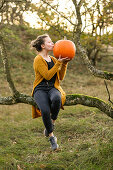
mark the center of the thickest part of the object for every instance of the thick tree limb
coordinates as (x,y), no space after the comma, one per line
(21,98)
(90,102)
(70,100)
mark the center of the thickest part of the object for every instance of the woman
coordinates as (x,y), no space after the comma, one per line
(47,91)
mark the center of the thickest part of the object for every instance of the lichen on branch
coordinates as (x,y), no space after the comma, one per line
(72,99)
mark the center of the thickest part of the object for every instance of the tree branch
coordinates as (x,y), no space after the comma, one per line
(2,4)
(109,99)
(77,33)
(58,12)
(51,25)
(90,102)
(71,100)
(6,67)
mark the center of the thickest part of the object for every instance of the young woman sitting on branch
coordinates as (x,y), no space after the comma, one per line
(47,92)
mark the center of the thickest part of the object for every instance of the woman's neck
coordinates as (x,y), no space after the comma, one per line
(45,55)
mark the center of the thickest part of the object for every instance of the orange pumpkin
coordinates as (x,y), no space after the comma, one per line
(65,48)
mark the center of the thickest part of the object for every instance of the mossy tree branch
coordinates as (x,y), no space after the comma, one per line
(71,100)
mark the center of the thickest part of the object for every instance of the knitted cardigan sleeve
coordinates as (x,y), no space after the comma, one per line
(41,66)
(62,71)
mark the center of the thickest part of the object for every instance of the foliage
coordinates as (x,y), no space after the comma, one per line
(94,45)
(17,39)
(107,39)
(101,14)
(12,12)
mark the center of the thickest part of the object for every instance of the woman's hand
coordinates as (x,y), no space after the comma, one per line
(64,60)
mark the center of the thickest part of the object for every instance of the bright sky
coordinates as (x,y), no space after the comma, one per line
(33,17)
(65,6)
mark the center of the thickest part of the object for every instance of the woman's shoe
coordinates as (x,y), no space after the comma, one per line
(53,141)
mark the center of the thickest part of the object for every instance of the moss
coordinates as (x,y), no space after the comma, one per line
(108,75)
(89,101)
(81,96)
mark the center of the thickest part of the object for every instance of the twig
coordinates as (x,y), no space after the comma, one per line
(58,12)
(108,92)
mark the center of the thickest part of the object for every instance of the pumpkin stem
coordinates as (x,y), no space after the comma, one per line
(65,38)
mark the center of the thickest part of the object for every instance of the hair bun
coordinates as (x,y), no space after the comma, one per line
(34,45)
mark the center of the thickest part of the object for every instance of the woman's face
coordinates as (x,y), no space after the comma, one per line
(48,44)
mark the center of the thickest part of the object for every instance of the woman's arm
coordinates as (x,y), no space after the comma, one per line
(41,67)
(63,69)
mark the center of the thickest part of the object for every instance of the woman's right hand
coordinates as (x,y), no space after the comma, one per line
(64,60)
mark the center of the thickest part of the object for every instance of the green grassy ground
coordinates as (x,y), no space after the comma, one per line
(85,135)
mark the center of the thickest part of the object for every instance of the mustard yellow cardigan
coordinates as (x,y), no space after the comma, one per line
(42,72)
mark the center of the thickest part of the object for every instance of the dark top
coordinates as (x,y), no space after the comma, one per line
(46,84)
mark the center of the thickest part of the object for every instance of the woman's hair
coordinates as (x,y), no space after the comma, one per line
(38,42)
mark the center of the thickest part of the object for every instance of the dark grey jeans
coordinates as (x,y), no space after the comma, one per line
(49,103)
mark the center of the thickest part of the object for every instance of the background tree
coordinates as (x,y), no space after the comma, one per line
(12,11)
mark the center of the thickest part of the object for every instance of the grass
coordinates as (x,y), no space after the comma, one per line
(85,135)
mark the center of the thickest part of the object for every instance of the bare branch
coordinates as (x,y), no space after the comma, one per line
(51,26)
(109,99)
(58,12)
(2,4)
(6,67)
(20,98)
